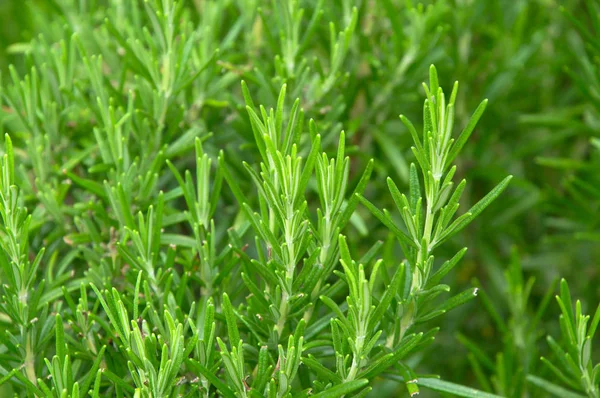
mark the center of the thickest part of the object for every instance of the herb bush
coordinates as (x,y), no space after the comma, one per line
(193,198)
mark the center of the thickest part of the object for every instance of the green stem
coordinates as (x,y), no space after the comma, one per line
(30,363)
(289,273)
(283,312)
(423,248)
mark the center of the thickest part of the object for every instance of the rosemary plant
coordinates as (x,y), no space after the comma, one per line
(193,201)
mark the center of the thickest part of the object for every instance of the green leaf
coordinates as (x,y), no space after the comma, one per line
(232,182)
(94,372)
(61,349)
(454,389)
(383,363)
(462,222)
(466,133)
(230,319)
(389,294)
(446,267)
(8,376)
(177,240)
(342,389)
(401,235)
(323,372)
(210,376)
(459,299)
(552,388)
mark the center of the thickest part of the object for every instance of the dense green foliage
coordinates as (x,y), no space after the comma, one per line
(193,198)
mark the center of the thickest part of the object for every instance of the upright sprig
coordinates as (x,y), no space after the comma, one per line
(154,358)
(21,292)
(434,151)
(572,363)
(201,201)
(335,210)
(283,225)
(362,316)
(428,215)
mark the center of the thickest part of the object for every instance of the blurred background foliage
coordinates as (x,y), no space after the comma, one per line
(535,60)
